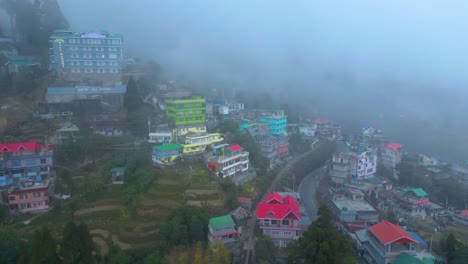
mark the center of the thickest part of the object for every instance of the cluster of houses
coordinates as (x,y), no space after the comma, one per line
(279,217)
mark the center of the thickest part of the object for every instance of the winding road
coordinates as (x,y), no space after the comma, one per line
(307,190)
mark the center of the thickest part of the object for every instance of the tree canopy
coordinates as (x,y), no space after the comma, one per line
(322,243)
(77,245)
(184,226)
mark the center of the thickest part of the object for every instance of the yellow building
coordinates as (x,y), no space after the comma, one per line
(197,142)
(184,130)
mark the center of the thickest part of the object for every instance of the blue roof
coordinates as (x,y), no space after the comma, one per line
(417,238)
(86,90)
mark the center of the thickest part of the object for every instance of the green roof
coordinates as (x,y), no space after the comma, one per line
(168,147)
(221,221)
(193,100)
(419,192)
(116,169)
(405,258)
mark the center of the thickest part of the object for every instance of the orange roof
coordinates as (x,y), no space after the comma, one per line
(392,146)
(388,233)
(244,200)
(464,213)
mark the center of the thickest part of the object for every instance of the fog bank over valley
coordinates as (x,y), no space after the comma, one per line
(398,65)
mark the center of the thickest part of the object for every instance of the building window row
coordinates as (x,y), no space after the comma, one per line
(92,63)
(94,41)
(88,55)
(87,70)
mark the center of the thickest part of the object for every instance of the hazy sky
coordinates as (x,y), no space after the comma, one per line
(357,62)
(274,41)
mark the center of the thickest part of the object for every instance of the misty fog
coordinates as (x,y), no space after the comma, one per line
(399,65)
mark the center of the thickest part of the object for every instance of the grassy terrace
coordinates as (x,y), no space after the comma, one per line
(112,221)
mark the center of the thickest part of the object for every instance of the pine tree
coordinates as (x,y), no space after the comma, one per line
(43,248)
(77,245)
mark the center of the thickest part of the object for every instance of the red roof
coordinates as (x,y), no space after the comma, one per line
(287,209)
(22,146)
(464,213)
(392,146)
(244,200)
(274,197)
(320,121)
(388,233)
(235,148)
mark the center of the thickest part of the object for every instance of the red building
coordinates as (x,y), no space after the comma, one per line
(279,218)
(230,161)
(29,197)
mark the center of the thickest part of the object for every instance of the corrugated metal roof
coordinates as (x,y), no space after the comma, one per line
(221,221)
(168,147)
(86,90)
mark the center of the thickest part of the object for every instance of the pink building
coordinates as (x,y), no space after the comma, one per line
(279,218)
(29,197)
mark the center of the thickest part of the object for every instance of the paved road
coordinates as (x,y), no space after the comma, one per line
(307,190)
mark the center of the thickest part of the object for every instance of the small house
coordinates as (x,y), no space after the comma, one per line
(239,215)
(166,154)
(118,175)
(222,228)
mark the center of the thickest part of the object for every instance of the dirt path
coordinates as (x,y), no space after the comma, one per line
(122,245)
(98,209)
(211,202)
(197,192)
(102,232)
(103,247)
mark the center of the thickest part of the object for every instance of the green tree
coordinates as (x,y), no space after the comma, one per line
(177,230)
(43,248)
(11,247)
(136,111)
(3,213)
(77,245)
(154,258)
(450,248)
(322,243)
(264,249)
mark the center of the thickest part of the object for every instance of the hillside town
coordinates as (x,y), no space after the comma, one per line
(109,144)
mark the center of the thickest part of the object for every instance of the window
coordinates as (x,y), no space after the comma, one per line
(23,196)
(16,163)
(37,194)
(12,198)
(273,222)
(285,222)
(112,55)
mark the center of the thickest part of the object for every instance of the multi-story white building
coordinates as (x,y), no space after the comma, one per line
(366,164)
(92,54)
(230,161)
(391,155)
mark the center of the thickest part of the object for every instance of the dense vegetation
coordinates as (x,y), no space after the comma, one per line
(442,191)
(76,246)
(456,252)
(322,243)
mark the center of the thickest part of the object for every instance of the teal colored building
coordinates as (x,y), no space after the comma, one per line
(277,123)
